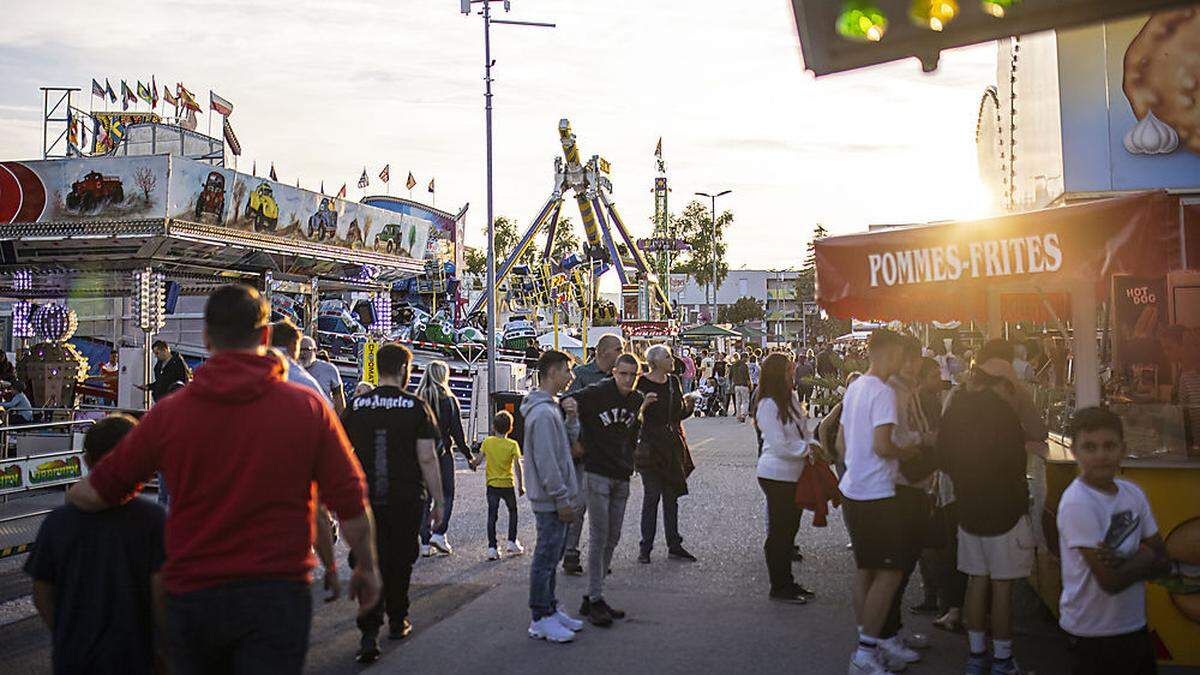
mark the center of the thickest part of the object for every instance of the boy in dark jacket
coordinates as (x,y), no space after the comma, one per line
(610,414)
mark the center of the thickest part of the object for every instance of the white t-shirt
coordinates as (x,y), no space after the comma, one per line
(326,374)
(869,402)
(1087,517)
(706,367)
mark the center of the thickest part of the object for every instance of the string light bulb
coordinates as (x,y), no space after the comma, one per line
(862,21)
(933,14)
(998,8)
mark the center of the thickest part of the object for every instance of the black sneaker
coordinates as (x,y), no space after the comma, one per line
(644,557)
(680,553)
(368,650)
(401,631)
(572,568)
(599,614)
(585,608)
(805,592)
(791,595)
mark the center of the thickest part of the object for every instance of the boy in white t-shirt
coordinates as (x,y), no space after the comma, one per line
(1109,545)
(873,515)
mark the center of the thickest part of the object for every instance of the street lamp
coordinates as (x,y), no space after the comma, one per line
(713,318)
(465,7)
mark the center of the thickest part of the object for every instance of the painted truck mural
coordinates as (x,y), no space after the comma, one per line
(120,188)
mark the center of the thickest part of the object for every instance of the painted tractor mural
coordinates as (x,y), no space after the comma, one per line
(262,209)
(322,224)
(211,199)
(93,190)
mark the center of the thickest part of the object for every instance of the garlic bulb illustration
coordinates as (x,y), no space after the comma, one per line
(1151,136)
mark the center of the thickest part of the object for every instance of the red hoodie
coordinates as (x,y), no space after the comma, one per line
(240,449)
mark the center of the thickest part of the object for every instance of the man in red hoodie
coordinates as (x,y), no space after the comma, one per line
(244,453)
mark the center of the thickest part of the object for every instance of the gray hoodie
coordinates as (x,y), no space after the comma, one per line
(549,471)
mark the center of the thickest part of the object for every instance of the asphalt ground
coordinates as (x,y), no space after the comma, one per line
(471,615)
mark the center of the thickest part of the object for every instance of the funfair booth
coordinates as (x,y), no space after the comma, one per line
(1055,267)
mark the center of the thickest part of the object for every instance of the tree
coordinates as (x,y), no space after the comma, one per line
(806,291)
(475,261)
(695,226)
(566,241)
(743,310)
(505,238)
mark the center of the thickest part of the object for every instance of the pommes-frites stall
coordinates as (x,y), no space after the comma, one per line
(1101,277)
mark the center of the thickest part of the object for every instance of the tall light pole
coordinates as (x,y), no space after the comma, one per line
(713,317)
(465,7)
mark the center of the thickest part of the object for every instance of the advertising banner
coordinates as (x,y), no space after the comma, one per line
(1139,317)
(943,272)
(370,367)
(27,473)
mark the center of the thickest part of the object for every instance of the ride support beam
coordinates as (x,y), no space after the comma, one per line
(522,245)
(639,257)
(609,243)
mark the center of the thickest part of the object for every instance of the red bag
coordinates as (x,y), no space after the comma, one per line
(817,486)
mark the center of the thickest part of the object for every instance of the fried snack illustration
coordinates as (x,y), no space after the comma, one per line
(1162,75)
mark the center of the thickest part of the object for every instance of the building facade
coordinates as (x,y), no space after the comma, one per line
(775,289)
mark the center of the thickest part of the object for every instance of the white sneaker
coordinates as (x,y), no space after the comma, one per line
(894,651)
(493,554)
(569,622)
(439,542)
(515,547)
(426,551)
(549,629)
(869,666)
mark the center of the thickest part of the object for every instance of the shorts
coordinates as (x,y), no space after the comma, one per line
(880,533)
(1002,557)
(1128,654)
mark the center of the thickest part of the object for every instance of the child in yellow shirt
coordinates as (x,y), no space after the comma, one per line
(503,458)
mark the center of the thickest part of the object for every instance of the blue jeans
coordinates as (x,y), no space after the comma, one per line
(446,466)
(251,627)
(551,541)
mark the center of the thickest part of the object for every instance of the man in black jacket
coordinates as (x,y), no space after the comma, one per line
(169,369)
(610,413)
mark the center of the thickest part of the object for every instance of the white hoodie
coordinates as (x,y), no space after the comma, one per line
(785,447)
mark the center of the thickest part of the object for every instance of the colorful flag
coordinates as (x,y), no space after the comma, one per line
(386,174)
(658,148)
(272,174)
(342,193)
(231,140)
(221,105)
(73,131)
(411,182)
(143,93)
(153,92)
(97,90)
(127,95)
(363,181)
(431,185)
(168,97)
(112,95)
(186,98)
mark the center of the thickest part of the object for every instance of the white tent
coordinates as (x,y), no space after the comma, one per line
(566,343)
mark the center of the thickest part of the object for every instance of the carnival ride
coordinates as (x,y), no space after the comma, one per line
(591,187)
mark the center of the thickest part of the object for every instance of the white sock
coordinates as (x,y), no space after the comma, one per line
(866,647)
(977,640)
(1002,649)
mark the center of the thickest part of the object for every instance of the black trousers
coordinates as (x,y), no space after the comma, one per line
(494,496)
(655,489)
(913,504)
(1128,654)
(250,627)
(397,529)
(939,566)
(783,520)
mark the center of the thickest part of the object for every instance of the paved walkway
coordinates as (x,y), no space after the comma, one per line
(470,615)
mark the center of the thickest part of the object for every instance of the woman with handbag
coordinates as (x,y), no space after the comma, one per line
(662,456)
(787,444)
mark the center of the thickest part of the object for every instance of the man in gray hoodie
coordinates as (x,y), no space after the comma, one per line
(552,491)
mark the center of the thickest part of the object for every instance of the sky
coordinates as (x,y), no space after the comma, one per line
(325,89)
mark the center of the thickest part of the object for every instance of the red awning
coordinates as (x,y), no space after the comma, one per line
(942,272)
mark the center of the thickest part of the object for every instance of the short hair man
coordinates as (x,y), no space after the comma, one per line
(395,437)
(92,575)
(982,444)
(1109,544)
(608,348)
(324,372)
(169,370)
(610,415)
(285,337)
(241,448)
(552,490)
(873,514)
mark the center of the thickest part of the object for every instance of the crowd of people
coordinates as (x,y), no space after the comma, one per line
(261,451)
